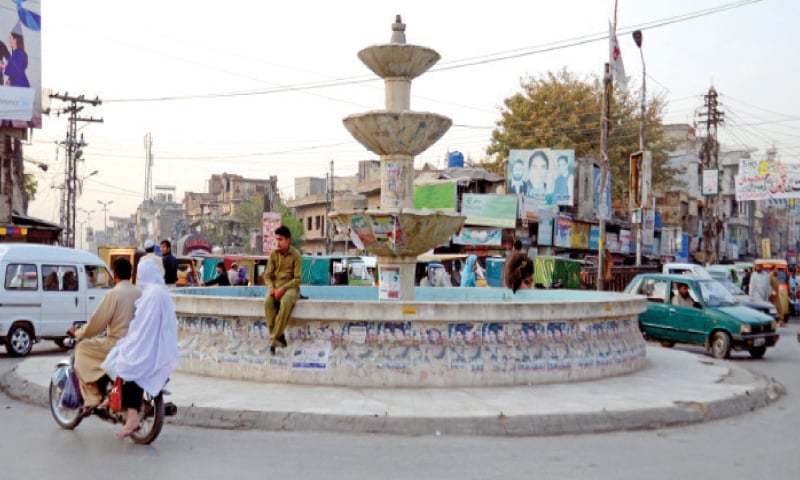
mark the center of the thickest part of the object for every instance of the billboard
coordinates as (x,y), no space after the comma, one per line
(487,237)
(544,175)
(563,232)
(490,210)
(270,221)
(21,64)
(436,196)
(602,210)
(766,180)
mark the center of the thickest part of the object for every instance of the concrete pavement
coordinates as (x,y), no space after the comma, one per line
(675,388)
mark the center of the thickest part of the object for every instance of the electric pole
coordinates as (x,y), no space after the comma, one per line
(148,166)
(605,119)
(73,146)
(642,202)
(712,223)
(105,215)
(329,194)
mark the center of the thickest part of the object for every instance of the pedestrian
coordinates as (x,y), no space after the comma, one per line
(150,253)
(518,272)
(170,264)
(746,281)
(233,274)
(148,354)
(759,285)
(221,279)
(282,279)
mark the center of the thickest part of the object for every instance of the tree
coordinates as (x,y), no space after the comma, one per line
(559,110)
(30,186)
(249,213)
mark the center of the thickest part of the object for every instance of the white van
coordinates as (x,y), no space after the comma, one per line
(44,291)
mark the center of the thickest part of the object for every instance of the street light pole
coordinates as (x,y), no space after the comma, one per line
(105,216)
(637,37)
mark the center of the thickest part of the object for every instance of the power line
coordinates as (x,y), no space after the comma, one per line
(455,64)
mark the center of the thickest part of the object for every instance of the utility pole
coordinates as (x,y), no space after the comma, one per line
(605,119)
(75,104)
(148,166)
(637,38)
(329,195)
(712,223)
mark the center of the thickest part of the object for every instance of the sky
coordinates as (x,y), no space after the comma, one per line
(146,49)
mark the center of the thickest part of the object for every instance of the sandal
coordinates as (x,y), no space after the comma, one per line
(127,433)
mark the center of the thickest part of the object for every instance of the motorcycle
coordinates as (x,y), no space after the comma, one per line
(152,411)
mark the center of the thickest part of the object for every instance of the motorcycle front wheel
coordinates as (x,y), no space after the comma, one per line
(152,420)
(66,418)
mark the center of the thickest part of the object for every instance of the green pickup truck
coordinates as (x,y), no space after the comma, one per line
(688,309)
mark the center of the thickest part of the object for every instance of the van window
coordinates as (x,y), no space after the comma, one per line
(98,276)
(21,277)
(59,278)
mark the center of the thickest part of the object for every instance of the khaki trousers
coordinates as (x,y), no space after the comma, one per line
(277,318)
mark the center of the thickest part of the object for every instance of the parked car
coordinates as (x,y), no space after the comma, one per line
(724,273)
(742,298)
(45,290)
(709,316)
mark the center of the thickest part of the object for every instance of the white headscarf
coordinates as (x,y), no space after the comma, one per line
(148,354)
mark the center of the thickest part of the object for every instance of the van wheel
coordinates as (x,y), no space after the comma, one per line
(720,345)
(19,341)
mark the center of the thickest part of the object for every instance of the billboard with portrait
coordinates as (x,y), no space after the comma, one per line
(20,64)
(544,175)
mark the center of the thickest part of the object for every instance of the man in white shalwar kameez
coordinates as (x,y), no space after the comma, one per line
(760,287)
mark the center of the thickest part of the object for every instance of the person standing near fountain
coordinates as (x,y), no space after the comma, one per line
(282,279)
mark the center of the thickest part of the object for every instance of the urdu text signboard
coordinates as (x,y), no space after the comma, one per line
(490,210)
(270,221)
(436,196)
(767,180)
(21,77)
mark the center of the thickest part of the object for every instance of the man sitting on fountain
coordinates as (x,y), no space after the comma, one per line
(282,279)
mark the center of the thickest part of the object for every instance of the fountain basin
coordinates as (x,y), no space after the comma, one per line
(386,132)
(399,232)
(447,337)
(398,60)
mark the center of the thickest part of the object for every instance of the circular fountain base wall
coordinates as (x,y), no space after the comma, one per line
(446,338)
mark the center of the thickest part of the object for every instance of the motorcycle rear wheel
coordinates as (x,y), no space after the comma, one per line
(152,420)
(66,418)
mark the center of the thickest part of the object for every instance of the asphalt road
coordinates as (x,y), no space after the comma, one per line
(763,444)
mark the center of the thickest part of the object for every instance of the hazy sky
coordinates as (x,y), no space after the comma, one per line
(148,48)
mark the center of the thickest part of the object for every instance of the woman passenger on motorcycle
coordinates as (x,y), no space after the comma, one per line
(148,354)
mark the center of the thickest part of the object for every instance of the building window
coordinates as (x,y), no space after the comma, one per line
(318,222)
(308,223)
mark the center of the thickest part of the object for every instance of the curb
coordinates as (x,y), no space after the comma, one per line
(682,413)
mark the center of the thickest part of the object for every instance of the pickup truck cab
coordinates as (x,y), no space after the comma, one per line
(45,289)
(689,309)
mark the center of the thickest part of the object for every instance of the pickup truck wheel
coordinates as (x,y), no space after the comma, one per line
(758,352)
(720,345)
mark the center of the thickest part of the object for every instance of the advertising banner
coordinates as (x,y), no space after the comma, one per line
(544,232)
(563,232)
(544,175)
(490,210)
(270,221)
(21,77)
(492,237)
(766,180)
(436,196)
(602,210)
(612,240)
(625,241)
(580,236)
(594,237)
(710,181)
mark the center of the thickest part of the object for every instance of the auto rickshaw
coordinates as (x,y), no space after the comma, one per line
(334,270)
(781,271)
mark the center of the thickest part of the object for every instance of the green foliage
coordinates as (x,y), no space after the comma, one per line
(293,224)
(559,110)
(249,215)
(31,186)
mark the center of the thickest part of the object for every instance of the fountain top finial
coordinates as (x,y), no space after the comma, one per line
(398,30)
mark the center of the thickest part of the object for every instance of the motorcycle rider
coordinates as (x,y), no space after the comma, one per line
(111,317)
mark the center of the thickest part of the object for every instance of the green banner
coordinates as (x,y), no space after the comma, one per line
(490,210)
(436,196)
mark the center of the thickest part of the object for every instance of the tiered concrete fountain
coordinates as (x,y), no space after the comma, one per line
(429,337)
(396,233)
